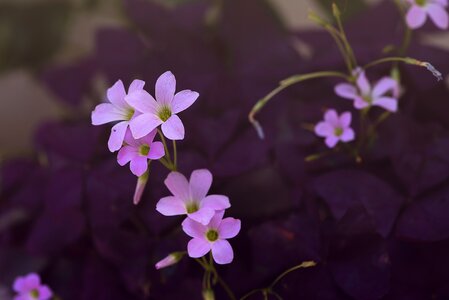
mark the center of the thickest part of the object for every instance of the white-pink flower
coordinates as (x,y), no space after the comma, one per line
(117,110)
(190,198)
(421,9)
(335,128)
(161,111)
(384,93)
(212,236)
(138,151)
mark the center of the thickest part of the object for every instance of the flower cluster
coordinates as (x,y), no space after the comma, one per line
(383,94)
(204,222)
(138,115)
(29,287)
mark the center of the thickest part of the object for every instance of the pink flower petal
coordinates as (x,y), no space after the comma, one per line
(324,129)
(443,3)
(116,94)
(117,136)
(149,138)
(359,103)
(19,285)
(183,100)
(331,141)
(385,85)
(136,85)
(229,228)
(178,185)
(200,183)
(216,202)
(165,88)
(173,128)
(156,151)
(438,15)
(142,125)
(171,206)
(130,140)
(105,113)
(139,165)
(142,101)
(198,247)
(331,117)
(193,228)
(216,219)
(363,83)
(32,281)
(416,17)
(348,135)
(126,154)
(45,293)
(222,252)
(203,215)
(345,119)
(390,104)
(346,90)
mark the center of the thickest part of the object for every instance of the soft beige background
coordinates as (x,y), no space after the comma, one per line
(24,103)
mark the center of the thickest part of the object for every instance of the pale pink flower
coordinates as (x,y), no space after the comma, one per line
(365,96)
(140,187)
(212,236)
(29,287)
(190,198)
(137,152)
(335,128)
(161,111)
(421,9)
(118,110)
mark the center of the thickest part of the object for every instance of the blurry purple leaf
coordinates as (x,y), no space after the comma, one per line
(346,190)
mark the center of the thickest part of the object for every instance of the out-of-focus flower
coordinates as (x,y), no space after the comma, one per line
(420,9)
(364,95)
(171,259)
(335,128)
(191,198)
(212,236)
(163,110)
(117,110)
(29,287)
(138,151)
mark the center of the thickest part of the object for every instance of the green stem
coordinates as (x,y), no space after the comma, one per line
(175,155)
(306,264)
(249,294)
(164,142)
(283,85)
(344,38)
(407,60)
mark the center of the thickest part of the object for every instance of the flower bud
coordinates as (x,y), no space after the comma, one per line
(171,259)
(140,187)
(208,294)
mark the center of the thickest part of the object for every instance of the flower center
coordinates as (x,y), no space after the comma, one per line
(34,294)
(192,207)
(144,150)
(421,2)
(130,113)
(338,131)
(164,113)
(212,235)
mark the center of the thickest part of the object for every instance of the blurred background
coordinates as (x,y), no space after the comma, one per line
(38,34)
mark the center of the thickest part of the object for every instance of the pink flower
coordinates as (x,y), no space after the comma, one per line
(117,110)
(420,9)
(171,259)
(138,152)
(212,236)
(364,96)
(163,110)
(335,128)
(190,198)
(140,187)
(29,287)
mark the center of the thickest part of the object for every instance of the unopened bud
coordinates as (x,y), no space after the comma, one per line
(208,294)
(171,259)
(140,187)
